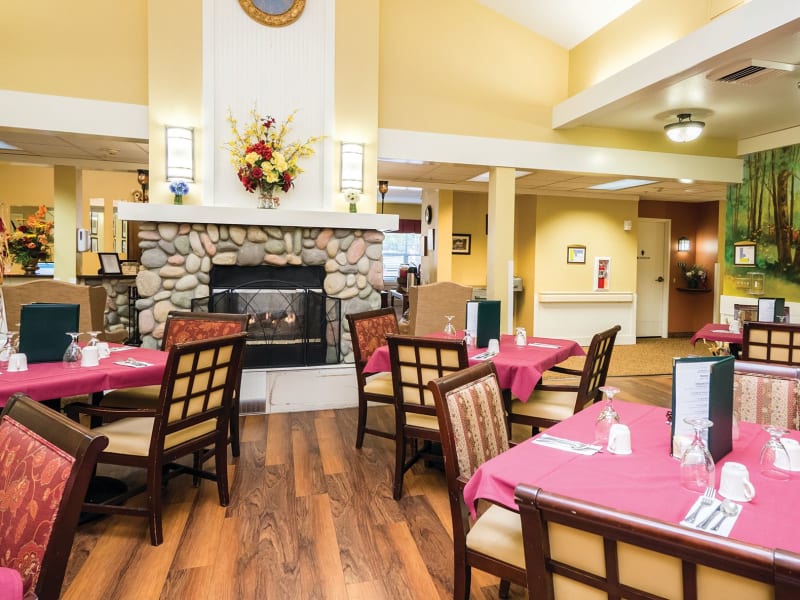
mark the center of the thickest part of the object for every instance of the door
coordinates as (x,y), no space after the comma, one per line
(652,281)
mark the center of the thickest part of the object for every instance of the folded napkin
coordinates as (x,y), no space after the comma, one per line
(541,345)
(132,362)
(721,331)
(727,525)
(566,445)
(120,348)
(485,355)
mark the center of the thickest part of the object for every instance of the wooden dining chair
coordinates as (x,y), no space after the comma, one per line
(415,361)
(368,331)
(182,326)
(771,343)
(195,402)
(428,304)
(577,549)
(47,463)
(552,403)
(472,424)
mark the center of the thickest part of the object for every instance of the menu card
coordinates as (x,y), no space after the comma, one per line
(43,327)
(702,386)
(769,309)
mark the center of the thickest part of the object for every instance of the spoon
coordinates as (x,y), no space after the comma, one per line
(707,521)
(729,509)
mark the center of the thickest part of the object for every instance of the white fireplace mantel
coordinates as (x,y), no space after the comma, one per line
(233,215)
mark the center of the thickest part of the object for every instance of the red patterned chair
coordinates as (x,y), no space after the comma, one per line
(182,326)
(46,462)
(766,393)
(368,331)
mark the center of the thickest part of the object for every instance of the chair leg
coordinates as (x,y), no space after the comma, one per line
(197,465)
(154,502)
(221,462)
(234,427)
(505,587)
(462,577)
(399,463)
(362,423)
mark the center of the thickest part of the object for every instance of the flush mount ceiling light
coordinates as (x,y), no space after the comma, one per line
(684,130)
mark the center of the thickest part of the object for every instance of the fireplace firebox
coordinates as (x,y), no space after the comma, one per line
(293,322)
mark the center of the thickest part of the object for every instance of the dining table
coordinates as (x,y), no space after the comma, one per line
(646,481)
(519,368)
(717,332)
(126,366)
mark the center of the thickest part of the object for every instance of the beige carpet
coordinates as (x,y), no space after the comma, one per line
(649,356)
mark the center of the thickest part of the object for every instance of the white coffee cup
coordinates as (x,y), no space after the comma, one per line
(734,483)
(619,439)
(494,346)
(17,362)
(103,349)
(90,356)
(793,450)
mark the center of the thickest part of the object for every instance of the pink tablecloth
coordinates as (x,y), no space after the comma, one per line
(646,482)
(47,381)
(716,332)
(10,584)
(519,368)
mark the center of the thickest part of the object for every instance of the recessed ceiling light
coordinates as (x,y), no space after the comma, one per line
(622,184)
(685,180)
(7,146)
(402,161)
(484,177)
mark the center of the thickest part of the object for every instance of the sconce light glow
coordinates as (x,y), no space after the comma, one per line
(352,175)
(180,154)
(683,244)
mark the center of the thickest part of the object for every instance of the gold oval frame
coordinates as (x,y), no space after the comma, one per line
(285,18)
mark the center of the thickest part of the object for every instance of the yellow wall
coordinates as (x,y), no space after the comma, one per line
(525,259)
(597,224)
(469,216)
(23,185)
(88,49)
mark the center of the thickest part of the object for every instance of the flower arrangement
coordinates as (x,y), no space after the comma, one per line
(263,159)
(30,241)
(695,276)
(179,189)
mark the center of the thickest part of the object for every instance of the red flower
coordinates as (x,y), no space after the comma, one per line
(257,172)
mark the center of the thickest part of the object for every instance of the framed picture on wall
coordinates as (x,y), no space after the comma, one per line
(744,254)
(93,223)
(109,263)
(462,243)
(576,253)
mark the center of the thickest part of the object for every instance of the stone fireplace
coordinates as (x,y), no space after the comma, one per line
(184,247)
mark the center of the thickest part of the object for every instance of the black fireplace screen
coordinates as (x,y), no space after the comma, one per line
(292,322)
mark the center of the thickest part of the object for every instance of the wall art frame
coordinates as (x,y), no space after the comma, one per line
(462,243)
(273,13)
(744,254)
(576,254)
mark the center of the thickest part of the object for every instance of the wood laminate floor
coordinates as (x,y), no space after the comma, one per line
(310,517)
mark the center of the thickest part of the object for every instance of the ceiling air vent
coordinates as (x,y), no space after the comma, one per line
(749,72)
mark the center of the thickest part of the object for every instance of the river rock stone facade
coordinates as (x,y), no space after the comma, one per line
(177,259)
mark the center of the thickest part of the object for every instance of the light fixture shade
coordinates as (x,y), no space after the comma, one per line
(180,154)
(683,244)
(684,130)
(352,178)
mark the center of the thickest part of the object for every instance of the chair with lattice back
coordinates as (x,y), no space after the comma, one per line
(472,424)
(415,361)
(368,331)
(47,464)
(183,326)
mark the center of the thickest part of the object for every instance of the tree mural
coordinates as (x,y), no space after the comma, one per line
(761,209)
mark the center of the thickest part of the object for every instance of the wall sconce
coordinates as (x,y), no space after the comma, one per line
(352,178)
(627,225)
(383,187)
(683,244)
(180,153)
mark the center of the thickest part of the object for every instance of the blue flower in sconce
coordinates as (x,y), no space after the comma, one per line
(179,189)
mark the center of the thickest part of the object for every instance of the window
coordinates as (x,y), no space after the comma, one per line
(399,248)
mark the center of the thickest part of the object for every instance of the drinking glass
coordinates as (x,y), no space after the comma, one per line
(607,417)
(73,354)
(774,453)
(450,329)
(697,465)
(94,340)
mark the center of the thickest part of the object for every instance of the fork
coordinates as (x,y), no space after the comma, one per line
(706,499)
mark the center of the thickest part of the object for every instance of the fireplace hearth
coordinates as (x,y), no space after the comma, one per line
(292,321)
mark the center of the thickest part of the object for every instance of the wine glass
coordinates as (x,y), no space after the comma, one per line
(607,417)
(774,453)
(450,329)
(73,353)
(8,347)
(94,340)
(697,464)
